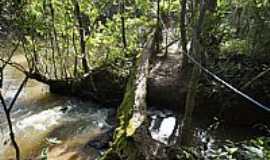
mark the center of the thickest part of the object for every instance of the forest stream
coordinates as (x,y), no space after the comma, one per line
(39,116)
(134,80)
(67,128)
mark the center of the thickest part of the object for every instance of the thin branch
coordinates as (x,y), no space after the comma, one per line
(170,44)
(7,109)
(17,93)
(183,25)
(124,40)
(10,56)
(11,133)
(254,79)
(158,28)
(14,65)
(5,63)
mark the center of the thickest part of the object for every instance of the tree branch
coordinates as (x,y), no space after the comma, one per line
(124,40)
(7,110)
(254,79)
(11,133)
(14,65)
(17,93)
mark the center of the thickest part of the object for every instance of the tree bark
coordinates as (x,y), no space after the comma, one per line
(82,37)
(124,40)
(131,139)
(196,50)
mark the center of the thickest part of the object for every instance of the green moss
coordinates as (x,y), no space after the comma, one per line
(122,144)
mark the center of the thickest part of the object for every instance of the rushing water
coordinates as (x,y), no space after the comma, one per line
(40,117)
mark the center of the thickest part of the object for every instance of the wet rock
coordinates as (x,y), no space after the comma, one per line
(64,152)
(64,109)
(101,142)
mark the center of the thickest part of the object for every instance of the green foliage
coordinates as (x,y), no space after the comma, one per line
(241,25)
(51,37)
(254,149)
(246,21)
(105,46)
(235,46)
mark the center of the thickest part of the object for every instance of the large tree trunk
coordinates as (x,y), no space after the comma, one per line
(81,28)
(132,140)
(196,51)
